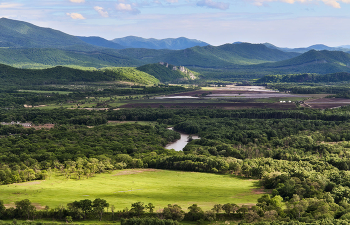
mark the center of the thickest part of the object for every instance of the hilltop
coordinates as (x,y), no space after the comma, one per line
(152,43)
(168,73)
(313,61)
(18,34)
(65,75)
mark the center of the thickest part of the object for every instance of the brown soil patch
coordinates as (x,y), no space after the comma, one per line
(37,205)
(229,106)
(199,93)
(110,121)
(45,126)
(27,183)
(326,103)
(260,191)
(128,172)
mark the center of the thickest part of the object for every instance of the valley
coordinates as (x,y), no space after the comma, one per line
(87,127)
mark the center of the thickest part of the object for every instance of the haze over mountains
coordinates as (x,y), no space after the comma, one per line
(25,45)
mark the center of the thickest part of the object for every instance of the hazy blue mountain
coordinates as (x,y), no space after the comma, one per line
(101,42)
(318,47)
(18,34)
(226,55)
(151,43)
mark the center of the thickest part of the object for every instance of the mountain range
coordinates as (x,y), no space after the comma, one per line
(25,45)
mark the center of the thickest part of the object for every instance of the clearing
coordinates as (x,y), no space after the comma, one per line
(124,187)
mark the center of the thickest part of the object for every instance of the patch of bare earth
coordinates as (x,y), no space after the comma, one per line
(27,183)
(326,103)
(13,205)
(128,172)
(110,121)
(45,126)
(260,191)
(230,106)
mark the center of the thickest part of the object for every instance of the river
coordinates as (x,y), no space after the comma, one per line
(180,143)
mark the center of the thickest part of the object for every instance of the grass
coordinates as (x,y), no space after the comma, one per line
(122,188)
(48,92)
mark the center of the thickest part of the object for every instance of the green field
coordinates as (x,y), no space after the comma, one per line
(122,188)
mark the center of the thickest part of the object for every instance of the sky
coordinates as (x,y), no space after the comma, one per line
(284,23)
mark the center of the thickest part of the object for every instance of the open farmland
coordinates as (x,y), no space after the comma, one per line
(235,105)
(326,103)
(122,188)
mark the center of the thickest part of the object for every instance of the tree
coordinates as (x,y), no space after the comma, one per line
(2,209)
(228,208)
(217,208)
(150,207)
(25,208)
(112,209)
(138,208)
(99,205)
(173,212)
(195,213)
(86,206)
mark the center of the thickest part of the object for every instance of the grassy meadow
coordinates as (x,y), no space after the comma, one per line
(122,188)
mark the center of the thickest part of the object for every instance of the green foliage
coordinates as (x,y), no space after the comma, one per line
(18,34)
(166,73)
(131,75)
(148,221)
(301,78)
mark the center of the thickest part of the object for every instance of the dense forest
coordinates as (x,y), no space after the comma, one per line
(302,155)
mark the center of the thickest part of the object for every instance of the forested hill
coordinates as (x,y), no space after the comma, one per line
(64,75)
(152,43)
(301,78)
(48,57)
(226,55)
(313,61)
(18,34)
(166,72)
(98,41)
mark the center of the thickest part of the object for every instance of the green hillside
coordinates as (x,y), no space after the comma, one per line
(18,34)
(166,72)
(130,74)
(65,75)
(313,61)
(45,58)
(226,55)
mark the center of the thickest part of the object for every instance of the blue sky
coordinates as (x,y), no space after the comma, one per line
(284,23)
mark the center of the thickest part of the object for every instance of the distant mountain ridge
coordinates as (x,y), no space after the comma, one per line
(152,43)
(101,42)
(18,34)
(313,61)
(318,47)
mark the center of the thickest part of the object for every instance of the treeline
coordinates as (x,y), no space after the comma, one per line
(302,78)
(267,210)
(16,99)
(309,88)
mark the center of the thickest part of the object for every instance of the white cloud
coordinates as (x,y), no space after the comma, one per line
(332,3)
(124,7)
(215,5)
(8,5)
(172,1)
(101,11)
(77,1)
(76,16)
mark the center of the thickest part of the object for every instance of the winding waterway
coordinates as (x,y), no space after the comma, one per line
(180,143)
